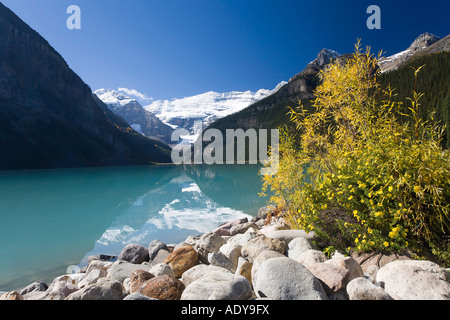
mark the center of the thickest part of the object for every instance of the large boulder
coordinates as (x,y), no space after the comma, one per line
(92,277)
(297,246)
(121,270)
(349,263)
(255,246)
(104,289)
(286,279)
(263,256)
(199,271)
(363,289)
(414,280)
(224,229)
(311,257)
(11,296)
(154,247)
(182,259)
(218,285)
(134,253)
(208,243)
(137,278)
(333,278)
(162,288)
(35,286)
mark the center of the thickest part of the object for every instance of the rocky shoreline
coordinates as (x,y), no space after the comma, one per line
(244,260)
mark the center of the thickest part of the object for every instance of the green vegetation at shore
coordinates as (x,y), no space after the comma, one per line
(379,178)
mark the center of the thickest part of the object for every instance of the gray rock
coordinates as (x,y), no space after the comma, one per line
(289,235)
(255,246)
(137,296)
(98,264)
(242,228)
(363,289)
(154,247)
(208,243)
(134,253)
(35,286)
(224,229)
(297,246)
(349,263)
(242,238)
(265,211)
(92,277)
(414,280)
(37,295)
(218,285)
(333,278)
(199,271)
(121,270)
(286,279)
(220,260)
(161,269)
(62,287)
(263,256)
(160,257)
(107,289)
(232,252)
(311,257)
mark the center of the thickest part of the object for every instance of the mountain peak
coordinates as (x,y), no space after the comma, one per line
(424,40)
(324,57)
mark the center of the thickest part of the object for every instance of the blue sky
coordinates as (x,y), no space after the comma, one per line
(179,48)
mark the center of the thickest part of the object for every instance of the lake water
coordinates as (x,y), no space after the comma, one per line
(50,220)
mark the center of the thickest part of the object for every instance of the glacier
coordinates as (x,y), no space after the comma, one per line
(206,107)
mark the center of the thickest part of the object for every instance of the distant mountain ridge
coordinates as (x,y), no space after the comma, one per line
(206,107)
(49,118)
(417,47)
(271,112)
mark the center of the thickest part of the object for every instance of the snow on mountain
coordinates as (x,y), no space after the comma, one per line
(113,98)
(419,44)
(140,97)
(131,110)
(207,107)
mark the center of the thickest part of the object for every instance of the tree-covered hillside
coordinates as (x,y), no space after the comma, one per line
(433,80)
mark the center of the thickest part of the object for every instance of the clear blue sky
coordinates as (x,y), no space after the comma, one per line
(178,48)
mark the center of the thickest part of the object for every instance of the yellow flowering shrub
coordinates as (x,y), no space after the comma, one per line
(356,176)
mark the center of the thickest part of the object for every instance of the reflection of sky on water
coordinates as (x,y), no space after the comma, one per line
(188,211)
(52,219)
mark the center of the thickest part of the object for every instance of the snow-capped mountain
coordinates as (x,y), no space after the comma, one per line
(137,117)
(206,107)
(419,44)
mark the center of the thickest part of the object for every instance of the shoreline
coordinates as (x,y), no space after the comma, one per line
(244,259)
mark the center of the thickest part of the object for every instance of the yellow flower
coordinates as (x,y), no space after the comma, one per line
(369,230)
(391,189)
(350,198)
(379,214)
(386,244)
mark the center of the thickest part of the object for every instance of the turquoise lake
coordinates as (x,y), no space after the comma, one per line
(50,220)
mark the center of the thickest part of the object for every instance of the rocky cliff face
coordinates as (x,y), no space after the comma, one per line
(418,46)
(137,117)
(50,118)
